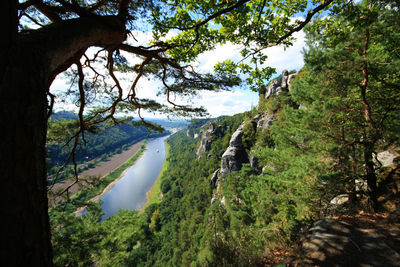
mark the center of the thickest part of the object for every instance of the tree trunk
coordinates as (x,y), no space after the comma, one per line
(370,173)
(26,230)
(29,63)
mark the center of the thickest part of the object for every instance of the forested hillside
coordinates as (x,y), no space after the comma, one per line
(165,231)
(100,142)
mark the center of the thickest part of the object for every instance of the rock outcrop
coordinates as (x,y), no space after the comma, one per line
(254,164)
(235,155)
(385,159)
(290,80)
(353,240)
(274,88)
(231,161)
(265,121)
(206,140)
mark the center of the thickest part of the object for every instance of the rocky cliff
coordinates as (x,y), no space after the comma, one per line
(275,87)
(231,160)
(206,139)
(235,155)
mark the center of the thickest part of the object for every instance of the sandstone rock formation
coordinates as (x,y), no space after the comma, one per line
(265,121)
(206,140)
(274,88)
(235,155)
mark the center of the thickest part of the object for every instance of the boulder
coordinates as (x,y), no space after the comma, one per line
(385,159)
(361,185)
(322,232)
(340,200)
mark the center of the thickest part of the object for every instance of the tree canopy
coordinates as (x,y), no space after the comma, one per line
(181,30)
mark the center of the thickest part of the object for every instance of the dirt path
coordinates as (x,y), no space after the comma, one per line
(101,170)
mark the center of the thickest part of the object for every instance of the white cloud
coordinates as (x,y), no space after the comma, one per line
(289,58)
(217,103)
(207,60)
(279,57)
(227,102)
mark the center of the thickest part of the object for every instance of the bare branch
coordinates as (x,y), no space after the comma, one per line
(298,28)
(110,65)
(261,10)
(50,107)
(305,22)
(168,89)
(82,100)
(132,93)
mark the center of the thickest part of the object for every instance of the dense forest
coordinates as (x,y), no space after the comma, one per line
(151,238)
(314,135)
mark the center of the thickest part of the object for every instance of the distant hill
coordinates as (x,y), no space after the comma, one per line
(170,123)
(63,114)
(108,140)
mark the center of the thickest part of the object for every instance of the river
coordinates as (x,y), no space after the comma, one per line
(129,192)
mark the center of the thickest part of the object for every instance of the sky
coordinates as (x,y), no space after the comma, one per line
(230,102)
